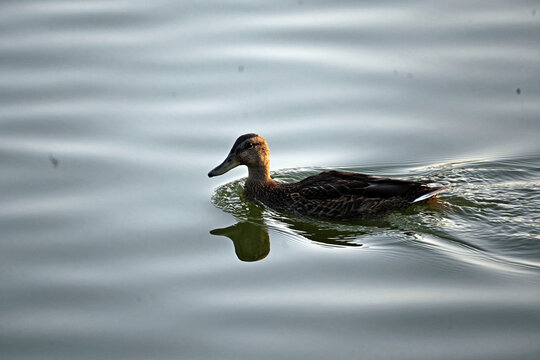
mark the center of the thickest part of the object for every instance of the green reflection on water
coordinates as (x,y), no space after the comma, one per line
(251,241)
(249,236)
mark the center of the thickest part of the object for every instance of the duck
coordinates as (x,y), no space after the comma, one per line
(329,195)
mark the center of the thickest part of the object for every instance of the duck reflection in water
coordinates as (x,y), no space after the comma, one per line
(249,236)
(252,241)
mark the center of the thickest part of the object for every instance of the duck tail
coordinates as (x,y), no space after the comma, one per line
(434,192)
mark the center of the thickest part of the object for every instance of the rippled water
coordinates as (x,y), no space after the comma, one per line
(115,244)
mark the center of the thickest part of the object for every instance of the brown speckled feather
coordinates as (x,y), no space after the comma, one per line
(340,195)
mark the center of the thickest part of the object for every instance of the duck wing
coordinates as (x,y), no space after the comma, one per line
(340,195)
(334,184)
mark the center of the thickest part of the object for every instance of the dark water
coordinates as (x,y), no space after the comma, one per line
(114,244)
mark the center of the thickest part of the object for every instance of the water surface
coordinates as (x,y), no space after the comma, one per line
(115,245)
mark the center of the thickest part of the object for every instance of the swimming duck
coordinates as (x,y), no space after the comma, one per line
(330,195)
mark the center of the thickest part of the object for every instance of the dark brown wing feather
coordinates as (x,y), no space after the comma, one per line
(347,195)
(333,184)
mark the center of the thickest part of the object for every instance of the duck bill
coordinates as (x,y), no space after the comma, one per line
(229,163)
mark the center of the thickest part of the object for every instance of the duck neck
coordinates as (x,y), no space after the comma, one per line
(259,175)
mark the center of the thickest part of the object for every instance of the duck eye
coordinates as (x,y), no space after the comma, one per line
(249,146)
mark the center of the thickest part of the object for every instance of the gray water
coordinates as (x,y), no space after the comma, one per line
(114,244)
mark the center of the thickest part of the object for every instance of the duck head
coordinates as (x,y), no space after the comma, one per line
(250,150)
